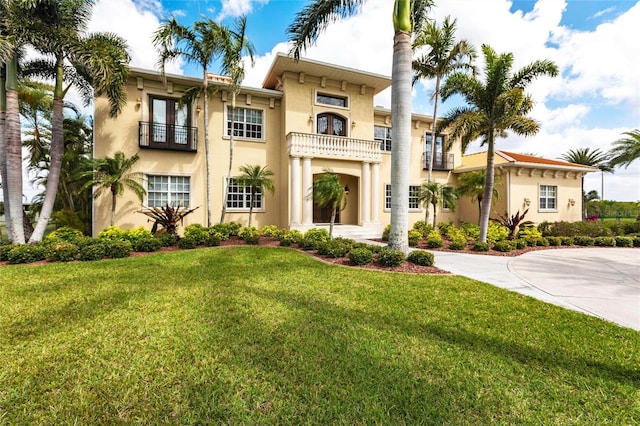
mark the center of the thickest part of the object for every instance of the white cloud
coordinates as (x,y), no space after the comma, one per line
(234,8)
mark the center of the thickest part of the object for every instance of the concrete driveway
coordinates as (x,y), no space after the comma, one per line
(604,282)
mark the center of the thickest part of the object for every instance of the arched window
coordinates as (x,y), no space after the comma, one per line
(331,124)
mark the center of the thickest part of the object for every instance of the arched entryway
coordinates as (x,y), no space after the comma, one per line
(348,216)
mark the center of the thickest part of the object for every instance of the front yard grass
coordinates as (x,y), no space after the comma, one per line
(260,335)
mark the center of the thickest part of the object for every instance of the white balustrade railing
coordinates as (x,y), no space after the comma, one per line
(328,146)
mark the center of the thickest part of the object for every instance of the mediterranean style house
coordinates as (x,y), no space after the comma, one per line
(307,117)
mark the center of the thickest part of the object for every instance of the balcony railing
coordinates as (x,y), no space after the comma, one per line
(329,146)
(167,136)
(440,162)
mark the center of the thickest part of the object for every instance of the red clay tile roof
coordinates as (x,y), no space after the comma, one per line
(523,158)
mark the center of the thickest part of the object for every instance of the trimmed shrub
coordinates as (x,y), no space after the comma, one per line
(636,241)
(503,246)
(271,231)
(385,232)
(250,235)
(313,237)
(421,257)
(213,238)
(480,246)
(147,244)
(566,241)
(444,227)
(139,238)
(390,258)
(224,229)
(604,241)
(117,249)
(66,234)
(92,249)
(434,239)
(360,256)
(63,251)
(529,233)
(422,227)
(374,248)
(583,240)
(622,241)
(27,253)
(113,233)
(234,228)
(334,248)
(291,236)
(520,243)
(167,240)
(471,230)
(414,237)
(197,233)
(496,232)
(4,251)
(572,229)
(188,243)
(458,242)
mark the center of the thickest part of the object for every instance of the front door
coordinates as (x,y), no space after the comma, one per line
(323,214)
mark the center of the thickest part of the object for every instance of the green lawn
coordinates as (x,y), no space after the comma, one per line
(259,335)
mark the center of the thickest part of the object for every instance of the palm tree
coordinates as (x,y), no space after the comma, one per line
(588,157)
(625,150)
(472,184)
(328,192)
(115,175)
(199,45)
(235,43)
(444,57)
(258,179)
(407,15)
(436,194)
(494,106)
(99,66)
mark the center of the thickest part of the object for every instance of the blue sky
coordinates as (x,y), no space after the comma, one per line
(596,98)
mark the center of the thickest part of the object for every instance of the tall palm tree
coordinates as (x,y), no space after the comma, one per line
(472,184)
(114,174)
(200,45)
(588,157)
(235,43)
(258,179)
(436,194)
(625,150)
(494,106)
(328,192)
(407,15)
(444,56)
(99,66)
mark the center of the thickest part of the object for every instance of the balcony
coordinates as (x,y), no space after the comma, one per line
(329,146)
(167,136)
(440,162)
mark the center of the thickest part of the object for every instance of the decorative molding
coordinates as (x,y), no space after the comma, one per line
(363,89)
(140,83)
(387,120)
(248,100)
(417,124)
(224,96)
(301,78)
(169,87)
(343,86)
(323,81)
(531,172)
(272,103)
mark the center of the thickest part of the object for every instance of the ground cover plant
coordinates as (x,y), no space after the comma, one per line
(268,335)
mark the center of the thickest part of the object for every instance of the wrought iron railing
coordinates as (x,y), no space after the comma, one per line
(167,136)
(440,162)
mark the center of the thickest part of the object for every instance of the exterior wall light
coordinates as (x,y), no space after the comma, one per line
(572,202)
(527,201)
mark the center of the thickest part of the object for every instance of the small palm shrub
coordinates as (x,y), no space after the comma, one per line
(117,249)
(250,235)
(196,232)
(421,257)
(434,239)
(360,256)
(480,246)
(604,241)
(583,240)
(62,251)
(334,248)
(414,237)
(92,249)
(503,246)
(66,234)
(622,241)
(271,231)
(385,232)
(390,258)
(27,253)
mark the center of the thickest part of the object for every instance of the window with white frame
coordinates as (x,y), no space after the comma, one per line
(172,190)
(239,197)
(383,135)
(548,197)
(414,197)
(247,123)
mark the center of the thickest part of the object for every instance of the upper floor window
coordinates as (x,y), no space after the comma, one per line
(383,135)
(548,197)
(414,197)
(440,158)
(172,190)
(324,99)
(331,124)
(239,197)
(170,122)
(247,123)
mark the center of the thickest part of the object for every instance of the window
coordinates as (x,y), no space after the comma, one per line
(247,123)
(438,154)
(383,135)
(338,101)
(174,190)
(331,124)
(414,197)
(239,197)
(170,122)
(548,197)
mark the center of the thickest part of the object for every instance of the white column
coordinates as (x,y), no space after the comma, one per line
(295,198)
(366,193)
(307,202)
(375,193)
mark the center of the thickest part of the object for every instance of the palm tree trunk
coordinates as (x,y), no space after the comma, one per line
(479,209)
(13,142)
(226,185)
(401,140)
(332,221)
(55,164)
(433,128)
(488,188)
(3,146)
(207,160)
(251,206)
(114,197)
(435,205)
